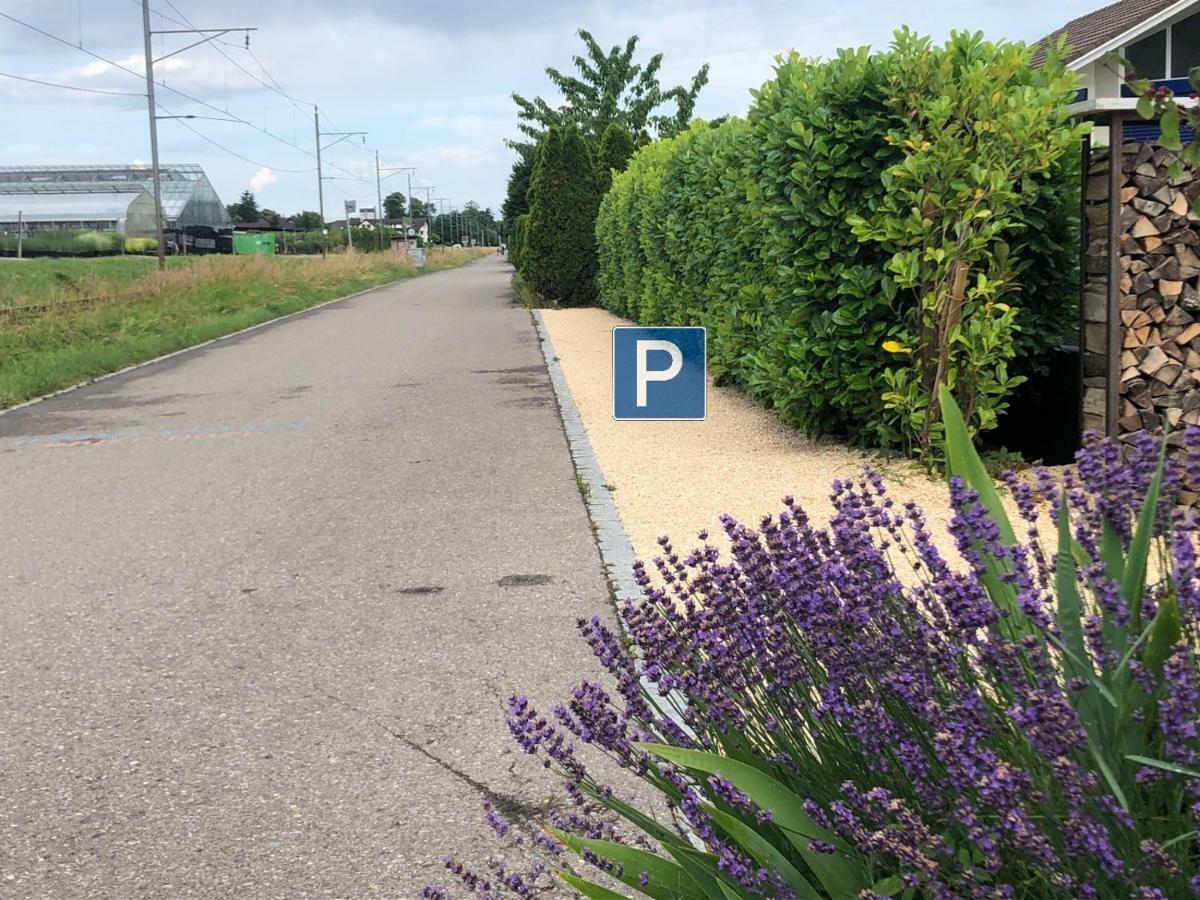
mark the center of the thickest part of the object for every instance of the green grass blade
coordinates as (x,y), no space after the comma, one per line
(1165,766)
(1069,611)
(702,867)
(1109,777)
(764,853)
(1097,717)
(963,461)
(837,873)
(1165,633)
(665,836)
(1133,582)
(667,881)
(1096,683)
(589,889)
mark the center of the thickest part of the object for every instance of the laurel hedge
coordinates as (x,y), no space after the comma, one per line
(748,228)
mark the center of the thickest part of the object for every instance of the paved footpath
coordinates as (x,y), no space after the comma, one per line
(261,603)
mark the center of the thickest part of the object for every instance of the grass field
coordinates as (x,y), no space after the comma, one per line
(28,281)
(138,313)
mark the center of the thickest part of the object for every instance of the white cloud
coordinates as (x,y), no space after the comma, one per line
(431,91)
(261,179)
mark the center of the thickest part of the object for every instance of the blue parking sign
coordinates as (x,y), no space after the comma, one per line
(659,373)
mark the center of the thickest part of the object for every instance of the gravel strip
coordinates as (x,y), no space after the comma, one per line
(677,478)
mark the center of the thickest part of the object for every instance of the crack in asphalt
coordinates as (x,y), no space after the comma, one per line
(514,809)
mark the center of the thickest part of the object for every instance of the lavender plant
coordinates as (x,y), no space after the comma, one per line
(843,711)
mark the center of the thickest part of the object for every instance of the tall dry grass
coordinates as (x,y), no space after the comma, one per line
(61,341)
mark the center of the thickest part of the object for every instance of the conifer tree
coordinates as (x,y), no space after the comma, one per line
(558,247)
(516,201)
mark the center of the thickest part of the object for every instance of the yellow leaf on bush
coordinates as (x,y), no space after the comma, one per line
(895,347)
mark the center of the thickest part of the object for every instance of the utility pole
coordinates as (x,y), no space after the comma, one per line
(211,34)
(153,112)
(320,180)
(396,170)
(408,224)
(341,136)
(378,202)
(20,230)
(441,221)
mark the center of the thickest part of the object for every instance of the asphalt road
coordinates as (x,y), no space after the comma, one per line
(261,603)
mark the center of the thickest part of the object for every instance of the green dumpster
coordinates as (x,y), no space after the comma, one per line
(254,243)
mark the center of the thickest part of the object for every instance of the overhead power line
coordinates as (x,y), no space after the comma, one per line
(276,87)
(70,87)
(174,90)
(182,121)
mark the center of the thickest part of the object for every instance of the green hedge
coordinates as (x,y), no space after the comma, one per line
(746,228)
(67,242)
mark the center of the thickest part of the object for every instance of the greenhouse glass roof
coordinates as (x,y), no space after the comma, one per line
(181,185)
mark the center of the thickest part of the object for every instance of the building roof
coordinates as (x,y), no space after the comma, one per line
(180,183)
(75,206)
(1096,29)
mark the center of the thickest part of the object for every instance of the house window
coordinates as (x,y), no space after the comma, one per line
(1148,57)
(1170,53)
(1185,46)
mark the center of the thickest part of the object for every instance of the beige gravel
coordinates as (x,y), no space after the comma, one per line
(676,478)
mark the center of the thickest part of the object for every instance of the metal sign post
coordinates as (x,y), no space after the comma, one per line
(351,206)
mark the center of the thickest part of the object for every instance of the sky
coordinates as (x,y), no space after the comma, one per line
(430,83)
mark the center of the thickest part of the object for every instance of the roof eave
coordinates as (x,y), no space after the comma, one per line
(1102,107)
(1156,20)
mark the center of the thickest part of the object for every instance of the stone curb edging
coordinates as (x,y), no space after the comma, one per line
(616,551)
(209,342)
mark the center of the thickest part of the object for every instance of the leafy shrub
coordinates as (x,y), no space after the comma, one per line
(558,252)
(843,712)
(66,242)
(759,230)
(616,146)
(140,245)
(975,155)
(366,240)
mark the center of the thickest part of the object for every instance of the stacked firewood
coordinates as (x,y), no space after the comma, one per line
(1160,292)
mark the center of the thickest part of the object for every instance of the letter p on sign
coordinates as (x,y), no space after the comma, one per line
(659,373)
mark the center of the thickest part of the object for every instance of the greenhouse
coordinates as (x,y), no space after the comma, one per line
(81,192)
(129,212)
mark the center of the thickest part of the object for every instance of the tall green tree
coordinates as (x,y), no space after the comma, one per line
(616,146)
(245,210)
(395,206)
(516,200)
(308,220)
(611,87)
(558,252)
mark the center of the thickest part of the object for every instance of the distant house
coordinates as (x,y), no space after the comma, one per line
(1160,38)
(419,228)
